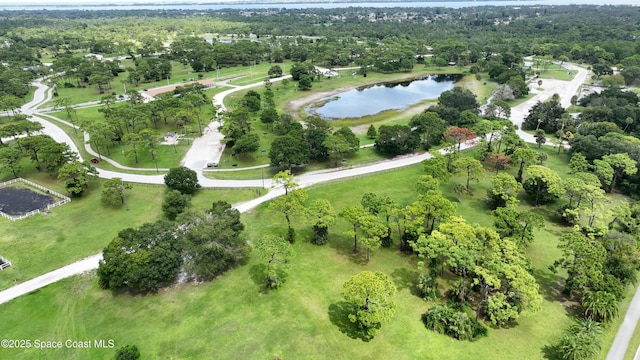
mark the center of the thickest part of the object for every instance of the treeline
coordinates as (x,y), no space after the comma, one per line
(593,34)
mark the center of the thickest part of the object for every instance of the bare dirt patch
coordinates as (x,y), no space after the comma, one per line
(20,200)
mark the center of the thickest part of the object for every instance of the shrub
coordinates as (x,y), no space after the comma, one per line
(427,286)
(458,324)
(320,235)
(128,352)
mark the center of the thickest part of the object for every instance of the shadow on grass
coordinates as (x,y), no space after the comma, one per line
(339,316)
(258,276)
(404,278)
(552,352)
(344,247)
(257,273)
(551,285)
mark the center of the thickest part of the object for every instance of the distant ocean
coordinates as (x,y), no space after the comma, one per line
(200,5)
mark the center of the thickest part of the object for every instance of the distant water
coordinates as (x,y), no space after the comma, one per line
(203,5)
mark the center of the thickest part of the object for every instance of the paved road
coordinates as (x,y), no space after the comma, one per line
(196,161)
(621,341)
(36,283)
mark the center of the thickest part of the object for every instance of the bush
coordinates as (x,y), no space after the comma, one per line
(458,324)
(174,203)
(320,235)
(128,352)
(427,286)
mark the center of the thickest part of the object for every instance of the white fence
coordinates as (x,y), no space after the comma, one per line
(65,199)
(4,263)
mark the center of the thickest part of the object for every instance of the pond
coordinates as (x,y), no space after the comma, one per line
(372,99)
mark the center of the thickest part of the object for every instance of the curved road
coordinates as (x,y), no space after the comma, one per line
(196,160)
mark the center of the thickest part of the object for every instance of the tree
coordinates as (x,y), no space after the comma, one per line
(33,145)
(517,225)
(288,150)
(578,163)
(133,139)
(499,161)
(459,98)
(437,167)
(612,167)
(523,156)
(269,115)
(541,137)
(356,215)
(427,183)
(543,185)
(182,179)
(142,259)
(396,140)
(429,125)
(337,147)
(373,231)
(291,203)
(581,341)
(321,215)
(276,251)
(504,191)
(54,155)
(77,176)
(470,167)
(10,160)
(113,192)
(583,258)
(371,298)
(459,189)
(275,71)
(247,144)
(545,115)
(305,83)
(212,241)
(372,133)
(427,211)
(459,135)
(174,203)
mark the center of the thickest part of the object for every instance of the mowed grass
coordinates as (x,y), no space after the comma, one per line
(230,318)
(557,72)
(167,156)
(84,226)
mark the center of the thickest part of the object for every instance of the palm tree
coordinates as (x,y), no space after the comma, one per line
(600,305)
(581,341)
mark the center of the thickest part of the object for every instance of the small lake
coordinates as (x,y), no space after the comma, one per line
(372,99)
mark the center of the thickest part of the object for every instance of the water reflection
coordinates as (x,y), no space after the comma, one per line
(372,99)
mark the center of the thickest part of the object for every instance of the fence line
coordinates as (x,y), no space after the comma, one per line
(65,199)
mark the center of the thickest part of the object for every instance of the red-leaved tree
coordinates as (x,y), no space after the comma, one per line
(459,135)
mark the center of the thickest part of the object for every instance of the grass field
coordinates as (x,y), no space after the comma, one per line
(42,243)
(230,318)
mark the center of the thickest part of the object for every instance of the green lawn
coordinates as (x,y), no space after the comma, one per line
(84,226)
(230,318)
